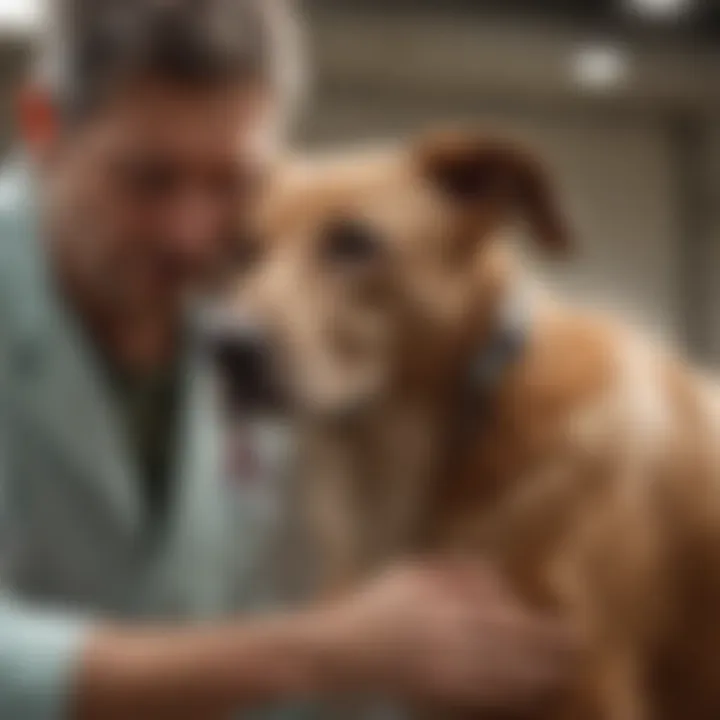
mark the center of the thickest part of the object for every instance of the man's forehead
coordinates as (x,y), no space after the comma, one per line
(165,113)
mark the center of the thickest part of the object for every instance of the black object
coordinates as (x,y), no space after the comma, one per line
(244,362)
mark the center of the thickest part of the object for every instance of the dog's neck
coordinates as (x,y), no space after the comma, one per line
(436,363)
(393,457)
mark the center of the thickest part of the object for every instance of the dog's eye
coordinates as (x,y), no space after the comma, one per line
(350,242)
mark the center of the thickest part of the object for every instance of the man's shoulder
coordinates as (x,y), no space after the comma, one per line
(14,207)
(16,227)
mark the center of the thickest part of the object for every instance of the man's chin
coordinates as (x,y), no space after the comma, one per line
(152,300)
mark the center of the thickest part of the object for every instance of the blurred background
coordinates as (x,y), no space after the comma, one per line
(621,96)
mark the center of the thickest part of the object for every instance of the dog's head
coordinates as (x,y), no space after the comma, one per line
(361,268)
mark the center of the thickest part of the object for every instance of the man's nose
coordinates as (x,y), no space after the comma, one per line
(192,228)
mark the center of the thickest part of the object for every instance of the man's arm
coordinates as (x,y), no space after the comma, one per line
(54,667)
(197,674)
(417,632)
(442,635)
(37,659)
(424,634)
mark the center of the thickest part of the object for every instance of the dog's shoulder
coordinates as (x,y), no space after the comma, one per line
(595,375)
(569,375)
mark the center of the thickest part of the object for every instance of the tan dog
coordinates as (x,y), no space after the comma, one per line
(592,474)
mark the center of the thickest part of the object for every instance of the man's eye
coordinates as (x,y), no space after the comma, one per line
(150,180)
(351,243)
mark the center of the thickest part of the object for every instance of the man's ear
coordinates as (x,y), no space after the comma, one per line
(498,177)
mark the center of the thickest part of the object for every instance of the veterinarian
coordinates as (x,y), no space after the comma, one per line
(146,128)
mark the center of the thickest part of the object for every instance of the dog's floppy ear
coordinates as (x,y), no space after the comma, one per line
(498,176)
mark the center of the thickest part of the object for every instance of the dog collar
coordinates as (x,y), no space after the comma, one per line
(501,350)
(507,342)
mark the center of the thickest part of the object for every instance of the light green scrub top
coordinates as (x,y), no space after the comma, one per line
(73,546)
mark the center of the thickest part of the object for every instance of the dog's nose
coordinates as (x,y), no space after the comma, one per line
(243,360)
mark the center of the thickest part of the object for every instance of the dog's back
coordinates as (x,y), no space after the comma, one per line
(596,487)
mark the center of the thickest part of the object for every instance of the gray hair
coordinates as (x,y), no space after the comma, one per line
(90,45)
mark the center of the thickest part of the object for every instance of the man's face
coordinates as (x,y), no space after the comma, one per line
(145,193)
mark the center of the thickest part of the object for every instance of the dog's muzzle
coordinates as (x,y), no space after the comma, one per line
(243,357)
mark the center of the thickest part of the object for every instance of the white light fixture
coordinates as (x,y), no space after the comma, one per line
(19,14)
(660,9)
(600,67)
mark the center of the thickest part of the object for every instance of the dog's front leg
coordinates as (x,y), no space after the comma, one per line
(336,537)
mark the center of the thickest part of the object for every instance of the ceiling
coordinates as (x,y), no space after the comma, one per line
(700,24)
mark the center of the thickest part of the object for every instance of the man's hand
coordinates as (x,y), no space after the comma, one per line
(447,634)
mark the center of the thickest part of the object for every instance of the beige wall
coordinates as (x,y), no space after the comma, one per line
(711,235)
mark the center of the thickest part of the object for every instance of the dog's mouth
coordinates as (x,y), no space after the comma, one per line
(250,381)
(247,378)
